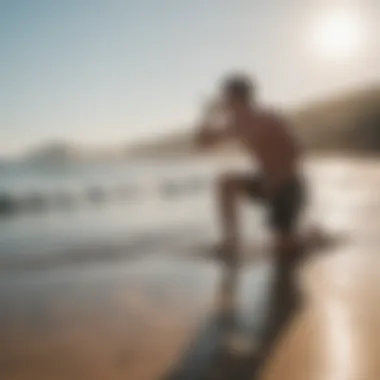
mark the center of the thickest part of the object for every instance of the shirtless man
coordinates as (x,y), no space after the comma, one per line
(265,137)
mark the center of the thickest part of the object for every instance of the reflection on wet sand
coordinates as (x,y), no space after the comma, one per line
(337,335)
(133,321)
(130,319)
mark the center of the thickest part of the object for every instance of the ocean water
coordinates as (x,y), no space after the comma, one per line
(92,210)
(46,208)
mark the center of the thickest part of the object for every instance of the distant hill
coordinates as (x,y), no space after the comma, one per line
(52,153)
(61,152)
(349,122)
(173,144)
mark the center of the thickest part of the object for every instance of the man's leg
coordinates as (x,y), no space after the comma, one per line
(285,298)
(231,188)
(285,211)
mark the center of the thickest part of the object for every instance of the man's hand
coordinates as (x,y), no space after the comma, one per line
(205,137)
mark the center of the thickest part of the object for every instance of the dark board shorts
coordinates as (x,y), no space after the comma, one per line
(285,206)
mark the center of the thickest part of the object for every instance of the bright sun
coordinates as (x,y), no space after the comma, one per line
(338,35)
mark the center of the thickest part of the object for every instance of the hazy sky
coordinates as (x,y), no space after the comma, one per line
(111,71)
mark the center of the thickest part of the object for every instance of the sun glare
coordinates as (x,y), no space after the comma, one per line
(338,35)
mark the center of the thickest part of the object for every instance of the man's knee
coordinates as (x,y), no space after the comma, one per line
(286,241)
(287,246)
(227,183)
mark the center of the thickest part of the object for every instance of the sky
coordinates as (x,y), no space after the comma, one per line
(105,72)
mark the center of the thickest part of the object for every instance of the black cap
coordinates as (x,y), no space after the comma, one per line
(238,85)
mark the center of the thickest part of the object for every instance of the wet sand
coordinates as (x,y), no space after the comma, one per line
(130,318)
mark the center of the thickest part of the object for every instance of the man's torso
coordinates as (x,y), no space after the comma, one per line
(266,139)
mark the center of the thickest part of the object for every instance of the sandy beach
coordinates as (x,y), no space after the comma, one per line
(115,314)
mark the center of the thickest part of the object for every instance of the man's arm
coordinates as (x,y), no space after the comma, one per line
(207,137)
(213,128)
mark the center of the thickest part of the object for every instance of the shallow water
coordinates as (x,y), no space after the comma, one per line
(343,192)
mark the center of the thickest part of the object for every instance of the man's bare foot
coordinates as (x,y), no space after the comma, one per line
(316,238)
